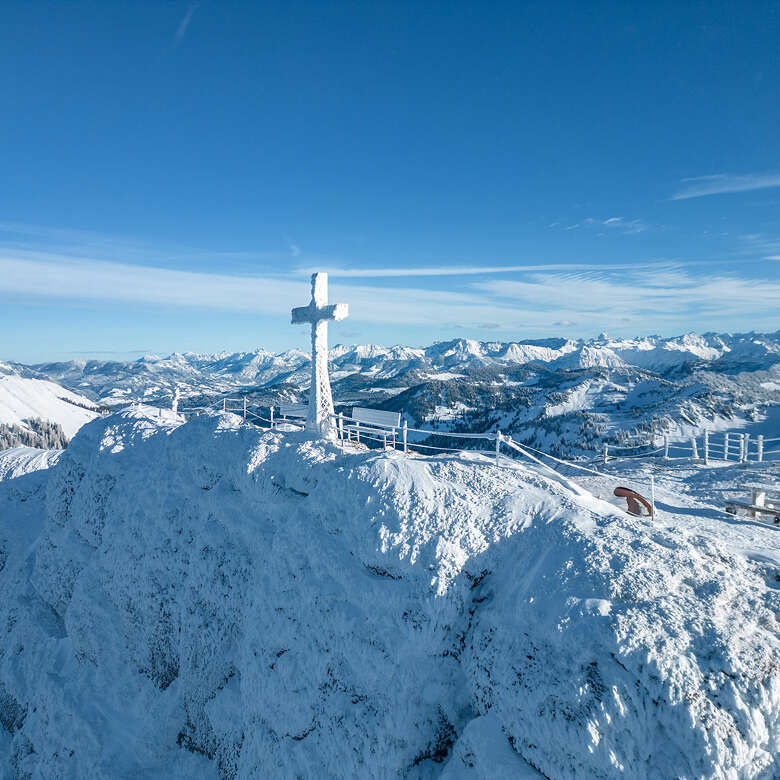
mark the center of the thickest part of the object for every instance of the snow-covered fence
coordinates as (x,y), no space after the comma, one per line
(733,446)
(729,446)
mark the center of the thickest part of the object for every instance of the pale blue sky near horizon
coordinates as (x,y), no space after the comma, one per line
(172,172)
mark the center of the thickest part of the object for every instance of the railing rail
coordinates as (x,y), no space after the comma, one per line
(706,446)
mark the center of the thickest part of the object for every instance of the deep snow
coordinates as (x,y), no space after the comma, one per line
(205,599)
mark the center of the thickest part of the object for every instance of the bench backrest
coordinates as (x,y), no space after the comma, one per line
(376,417)
(294,410)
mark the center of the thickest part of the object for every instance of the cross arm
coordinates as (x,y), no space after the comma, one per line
(311,313)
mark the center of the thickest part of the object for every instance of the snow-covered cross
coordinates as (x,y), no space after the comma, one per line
(318,312)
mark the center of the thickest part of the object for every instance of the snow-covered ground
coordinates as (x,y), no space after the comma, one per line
(25,399)
(23,460)
(209,600)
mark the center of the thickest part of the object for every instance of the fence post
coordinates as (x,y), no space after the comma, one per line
(741,447)
(341,427)
(652,495)
(706,447)
(726,446)
(695,448)
(747,447)
(606,453)
(666,447)
(272,418)
(406,425)
(244,408)
(760,445)
(498,445)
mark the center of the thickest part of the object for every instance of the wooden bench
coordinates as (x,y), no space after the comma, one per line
(763,500)
(372,422)
(296,413)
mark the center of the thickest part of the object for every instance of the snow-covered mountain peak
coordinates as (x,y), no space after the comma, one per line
(212,597)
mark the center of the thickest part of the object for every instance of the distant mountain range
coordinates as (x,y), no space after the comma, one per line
(567,395)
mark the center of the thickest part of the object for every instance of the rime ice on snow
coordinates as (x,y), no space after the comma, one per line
(318,312)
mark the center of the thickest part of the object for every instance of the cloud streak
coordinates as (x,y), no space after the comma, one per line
(545,300)
(470,270)
(722,183)
(628,227)
(181,30)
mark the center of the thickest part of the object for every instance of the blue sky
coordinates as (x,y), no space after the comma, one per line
(171,172)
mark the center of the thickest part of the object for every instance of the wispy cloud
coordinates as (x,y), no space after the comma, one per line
(641,296)
(181,30)
(628,227)
(68,242)
(467,270)
(723,182)
(573,299)
(58,276)
(622,225)
(76,279)
(544,300)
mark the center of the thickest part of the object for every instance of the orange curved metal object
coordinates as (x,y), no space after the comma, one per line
(635,502)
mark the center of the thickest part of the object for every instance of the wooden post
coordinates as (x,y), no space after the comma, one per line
(224,404)
(760,446)
(245,408)
(272,417)
(357,431)
(652,495)
(498,446)
(341,428)
(406,425)
(747,447)
(706,447)
(694,448)
(742,448)
(606,453)
(666,447)
(726,446)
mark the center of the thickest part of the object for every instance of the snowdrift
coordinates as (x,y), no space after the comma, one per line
(208,600)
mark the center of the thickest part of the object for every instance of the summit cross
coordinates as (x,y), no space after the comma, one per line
(318,312)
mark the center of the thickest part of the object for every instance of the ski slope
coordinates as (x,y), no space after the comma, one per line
(209,600)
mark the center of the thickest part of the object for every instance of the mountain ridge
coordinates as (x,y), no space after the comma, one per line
(570,395)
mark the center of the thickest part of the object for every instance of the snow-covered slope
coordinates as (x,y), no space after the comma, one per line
(23,460)
(24,399)
(207,600)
